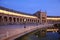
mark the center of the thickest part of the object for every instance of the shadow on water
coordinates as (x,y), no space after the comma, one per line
(49,36)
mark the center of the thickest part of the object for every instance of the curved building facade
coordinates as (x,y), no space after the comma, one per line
(8,16)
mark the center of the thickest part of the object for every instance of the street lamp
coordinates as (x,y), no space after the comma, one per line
(24,23)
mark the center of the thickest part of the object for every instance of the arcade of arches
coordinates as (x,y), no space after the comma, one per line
(8,16)
(16,20)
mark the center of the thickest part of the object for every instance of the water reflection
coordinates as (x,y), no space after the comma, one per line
(49,36)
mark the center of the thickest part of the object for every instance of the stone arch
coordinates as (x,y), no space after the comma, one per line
(34,21)
(20,19)
(10,19)
(5,19)
(28,20)
(14,19)
(17,19)
(23,19)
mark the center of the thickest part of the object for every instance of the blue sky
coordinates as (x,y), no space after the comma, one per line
(52,7)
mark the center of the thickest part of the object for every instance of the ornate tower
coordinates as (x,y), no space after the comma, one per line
(42,16)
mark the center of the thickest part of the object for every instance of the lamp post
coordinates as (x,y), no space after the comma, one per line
(24,23)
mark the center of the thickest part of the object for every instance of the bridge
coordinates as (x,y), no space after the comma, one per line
(10,32)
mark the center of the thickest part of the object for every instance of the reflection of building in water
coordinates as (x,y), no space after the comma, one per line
(8,16)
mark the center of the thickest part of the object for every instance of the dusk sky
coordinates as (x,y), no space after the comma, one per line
(52,7)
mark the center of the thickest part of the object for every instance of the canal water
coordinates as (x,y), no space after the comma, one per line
(49,36)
